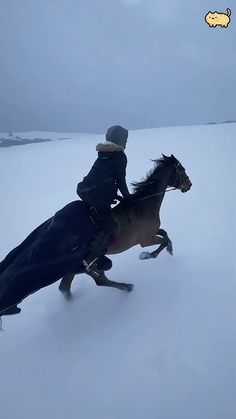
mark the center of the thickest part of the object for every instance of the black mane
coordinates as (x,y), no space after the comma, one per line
(145,186)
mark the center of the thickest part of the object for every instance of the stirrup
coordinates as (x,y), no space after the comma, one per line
(88,265)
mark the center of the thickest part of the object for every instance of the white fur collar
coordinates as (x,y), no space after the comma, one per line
(108,146)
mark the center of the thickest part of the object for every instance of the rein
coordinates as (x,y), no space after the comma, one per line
(178,175)
(155,194)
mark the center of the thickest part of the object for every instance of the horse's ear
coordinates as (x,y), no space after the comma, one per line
(164,157)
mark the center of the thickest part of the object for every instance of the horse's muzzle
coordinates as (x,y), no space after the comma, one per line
(186,186)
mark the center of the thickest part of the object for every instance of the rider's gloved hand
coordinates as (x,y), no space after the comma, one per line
(126,200)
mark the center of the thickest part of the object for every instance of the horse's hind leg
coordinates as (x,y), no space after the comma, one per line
(101,280)
(65,286)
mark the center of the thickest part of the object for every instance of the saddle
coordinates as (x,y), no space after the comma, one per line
(94,216)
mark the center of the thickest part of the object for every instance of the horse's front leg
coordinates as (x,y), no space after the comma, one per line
(166,240)
(101,280)
(65,286)
(161,238)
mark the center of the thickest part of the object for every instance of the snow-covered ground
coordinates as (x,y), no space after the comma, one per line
(164,351)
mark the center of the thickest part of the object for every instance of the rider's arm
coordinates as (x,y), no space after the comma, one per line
(121,174)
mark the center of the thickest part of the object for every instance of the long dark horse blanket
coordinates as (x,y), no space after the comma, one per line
(54,249)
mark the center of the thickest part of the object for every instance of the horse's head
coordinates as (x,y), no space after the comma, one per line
(178,178)
(168,172)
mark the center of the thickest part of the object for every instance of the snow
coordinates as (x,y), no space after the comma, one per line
(166,350)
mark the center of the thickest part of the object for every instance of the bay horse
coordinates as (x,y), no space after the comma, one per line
(139,220)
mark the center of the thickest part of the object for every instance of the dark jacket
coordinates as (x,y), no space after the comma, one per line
(107,175)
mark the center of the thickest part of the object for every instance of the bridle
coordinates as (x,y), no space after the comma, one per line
(179,177)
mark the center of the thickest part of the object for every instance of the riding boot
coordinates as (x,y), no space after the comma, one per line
(96,249)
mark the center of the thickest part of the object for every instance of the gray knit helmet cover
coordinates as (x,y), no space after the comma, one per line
(117,135)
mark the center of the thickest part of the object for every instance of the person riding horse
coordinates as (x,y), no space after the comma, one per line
(56,248)
(99,189)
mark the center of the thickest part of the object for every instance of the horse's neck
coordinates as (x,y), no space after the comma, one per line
(153,203)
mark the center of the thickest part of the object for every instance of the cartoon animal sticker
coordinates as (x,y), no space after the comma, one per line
(214,19)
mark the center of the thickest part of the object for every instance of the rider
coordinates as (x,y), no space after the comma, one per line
(99,189)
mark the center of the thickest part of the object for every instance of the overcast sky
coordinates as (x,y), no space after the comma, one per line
(83,65)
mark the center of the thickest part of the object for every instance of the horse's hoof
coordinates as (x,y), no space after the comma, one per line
(169,247)
(66,294)
(129,287)
(145,255)
(126,287)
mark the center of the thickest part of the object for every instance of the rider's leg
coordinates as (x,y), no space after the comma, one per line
(101,239)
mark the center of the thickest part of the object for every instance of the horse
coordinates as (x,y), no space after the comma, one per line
(55,249)
(139,220)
